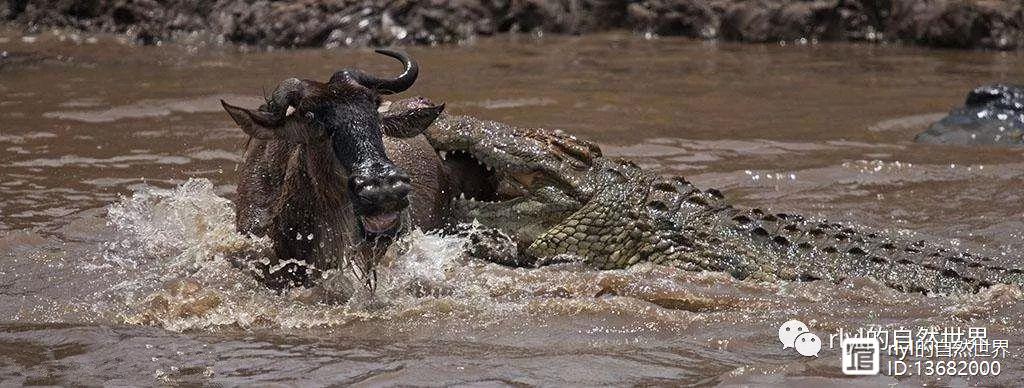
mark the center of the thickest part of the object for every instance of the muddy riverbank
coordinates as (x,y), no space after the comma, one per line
(994,24)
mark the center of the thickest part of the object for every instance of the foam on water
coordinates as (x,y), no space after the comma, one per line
(176,244)
(172,270)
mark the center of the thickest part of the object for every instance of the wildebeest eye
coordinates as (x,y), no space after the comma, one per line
(270,107)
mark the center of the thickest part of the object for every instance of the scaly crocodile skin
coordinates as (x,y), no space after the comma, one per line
(613,214)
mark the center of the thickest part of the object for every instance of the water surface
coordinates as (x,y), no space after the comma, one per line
(118,168)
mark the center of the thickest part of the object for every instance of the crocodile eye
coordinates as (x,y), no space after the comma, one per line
(657,205)
(616,174)
(664,186)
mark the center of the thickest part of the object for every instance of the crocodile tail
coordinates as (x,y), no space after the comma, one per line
(754,244)
(816,249)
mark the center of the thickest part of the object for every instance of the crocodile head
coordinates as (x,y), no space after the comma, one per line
(991,114)
(524,181)
(555,194)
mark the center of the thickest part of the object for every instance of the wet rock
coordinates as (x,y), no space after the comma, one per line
(763,21)
(687,18)
(539,15)
(960,24)
(330,23)
(992,114)
(442,22)
(857,20)
(14,8)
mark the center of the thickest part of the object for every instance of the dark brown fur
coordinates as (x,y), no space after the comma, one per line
(289,191)
(330,180)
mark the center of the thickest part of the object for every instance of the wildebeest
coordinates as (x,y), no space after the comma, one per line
(327,177)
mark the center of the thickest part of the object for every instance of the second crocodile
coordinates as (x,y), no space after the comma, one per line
(991,115)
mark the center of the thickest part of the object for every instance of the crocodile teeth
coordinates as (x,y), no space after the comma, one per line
(289,111)
(443,154)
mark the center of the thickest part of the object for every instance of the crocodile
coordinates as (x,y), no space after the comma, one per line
(554,196)
(991,115)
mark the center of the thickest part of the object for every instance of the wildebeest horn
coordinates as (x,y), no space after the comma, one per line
(284,97)
(263,123)
(383,85)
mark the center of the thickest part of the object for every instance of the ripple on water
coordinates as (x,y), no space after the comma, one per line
(146,108)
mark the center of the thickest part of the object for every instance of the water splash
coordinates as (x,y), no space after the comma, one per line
(190,221)
(172,264)
(173,270)
(175,247)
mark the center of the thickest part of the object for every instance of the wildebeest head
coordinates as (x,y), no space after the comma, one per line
(344,112)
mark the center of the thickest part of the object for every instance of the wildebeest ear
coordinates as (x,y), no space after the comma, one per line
(411,122)
(255,123)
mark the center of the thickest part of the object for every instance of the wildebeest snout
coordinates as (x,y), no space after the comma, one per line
(382,191)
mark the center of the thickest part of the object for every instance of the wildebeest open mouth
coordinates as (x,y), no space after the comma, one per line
(386,224)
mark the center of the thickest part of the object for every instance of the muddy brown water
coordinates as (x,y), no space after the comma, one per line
(118,167)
